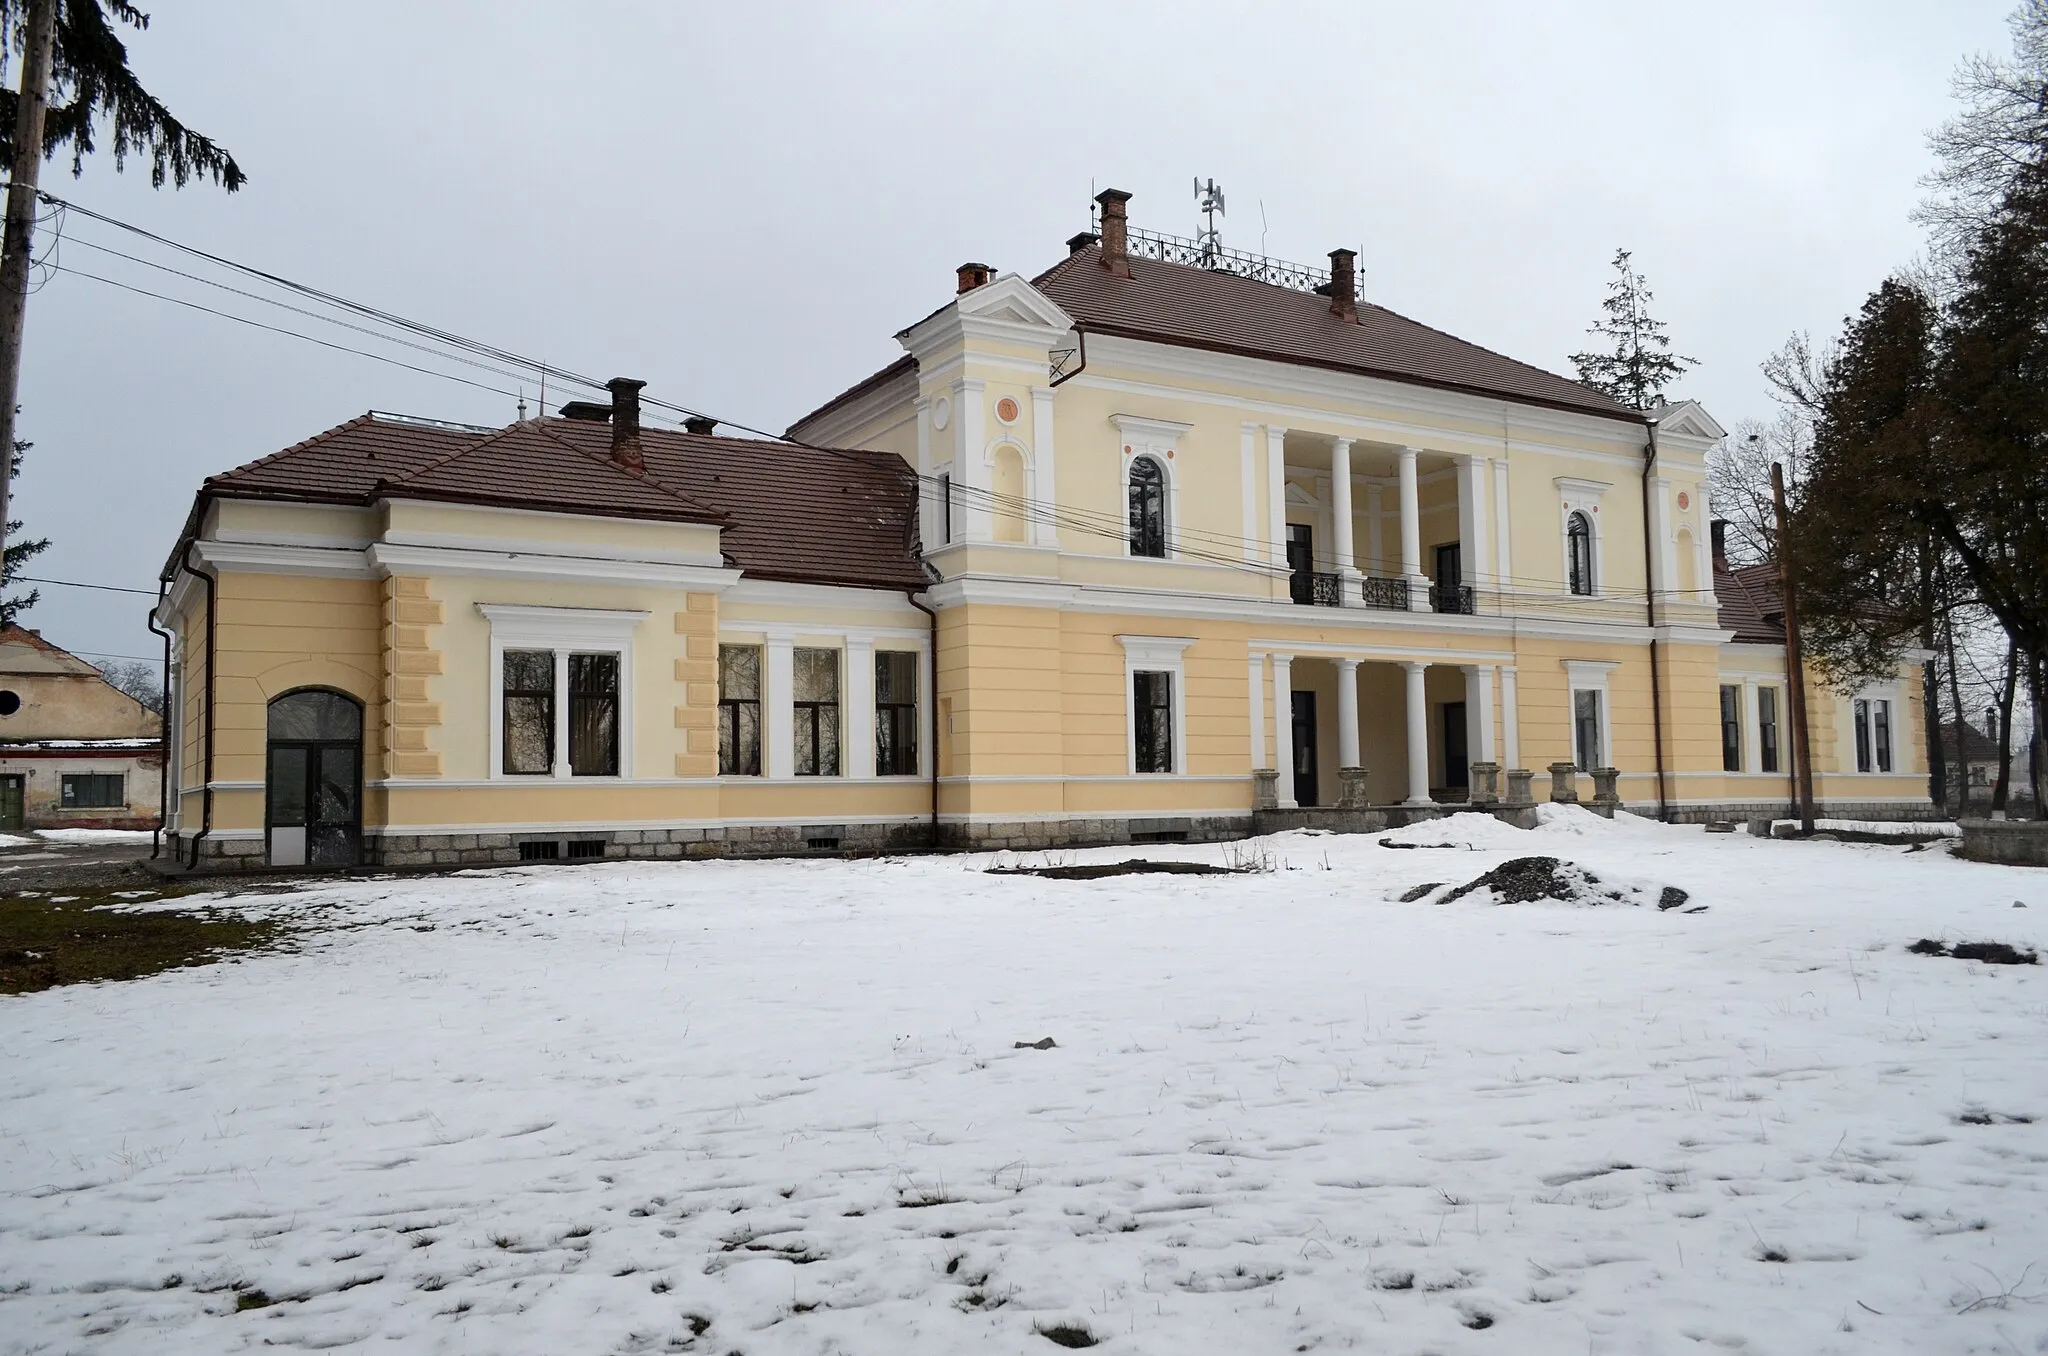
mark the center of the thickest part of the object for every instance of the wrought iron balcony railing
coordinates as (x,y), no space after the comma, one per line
(1453,598)
(1312,589)
(1391,595)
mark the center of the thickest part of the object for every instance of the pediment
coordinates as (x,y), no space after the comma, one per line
(1689,419)
(1013,301)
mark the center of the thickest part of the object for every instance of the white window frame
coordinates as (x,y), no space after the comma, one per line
(1158,439)
(562,630)
(1156,654)
(1590,675)
(1580,496)
(1871,698)
(1743,760)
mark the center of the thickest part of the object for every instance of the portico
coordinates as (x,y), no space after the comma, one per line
(1366,725)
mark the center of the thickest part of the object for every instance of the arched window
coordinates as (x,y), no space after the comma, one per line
(1148,508)
(314,779)
(1578,533)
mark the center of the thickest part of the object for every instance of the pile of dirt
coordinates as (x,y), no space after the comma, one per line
(1101,870)
(1991,953)
(1531,880)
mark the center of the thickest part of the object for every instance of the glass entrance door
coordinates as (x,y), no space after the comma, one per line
(314,805)
(1457,776)
(1305,748)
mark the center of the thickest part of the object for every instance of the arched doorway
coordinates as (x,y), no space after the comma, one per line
(313,802)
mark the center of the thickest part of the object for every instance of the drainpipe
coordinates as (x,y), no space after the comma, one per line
(932,700)
(163,772)
(206,766)
(1650,606)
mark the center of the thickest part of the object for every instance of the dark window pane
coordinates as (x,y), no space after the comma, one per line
(739,672)
(316,716)
(92,790)
(1152,703)
(1579,537)
(1148,508)
(739,710)
(895,713)
(817,675)
(594,715)
(335,794)
(817,712)
(287,785)
(1731,729)
(1767,727)
(529,735)
(1883,732)
(1586,729)
(1862,736)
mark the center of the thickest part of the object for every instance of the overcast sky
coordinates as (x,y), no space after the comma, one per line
(741,203)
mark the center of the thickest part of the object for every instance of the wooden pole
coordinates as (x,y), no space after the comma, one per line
(19,238)
(1795,661)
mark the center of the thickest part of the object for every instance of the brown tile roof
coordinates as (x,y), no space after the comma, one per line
(1749,604)
(1201,308)
(786,512)
(526,466)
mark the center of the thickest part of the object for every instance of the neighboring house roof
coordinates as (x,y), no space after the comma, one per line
(793,513)
(1977,747)
(23,651)
(1210,309)
(1750,606)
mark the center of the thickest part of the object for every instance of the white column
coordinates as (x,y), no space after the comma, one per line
(1510,719)
(1503,559)
(1044,493)
(970,466)
(1411,528)
(778,714)
(1472,520)
(561,767)
(1276,498)
(1347,713)
(1752,735)
(857,710)
(1418,737)
(1283,727)
(1340,513)
(1247,464)
(1664,555)
(1375,549)
(1256,699)
(1479,712)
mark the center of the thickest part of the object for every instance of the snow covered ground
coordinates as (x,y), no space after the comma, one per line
(94,837)
(778,1108)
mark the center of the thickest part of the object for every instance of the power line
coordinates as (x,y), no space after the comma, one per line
(75,584)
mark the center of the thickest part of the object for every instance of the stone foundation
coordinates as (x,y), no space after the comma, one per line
(2013,842)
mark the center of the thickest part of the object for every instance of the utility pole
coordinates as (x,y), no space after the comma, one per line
(1795,661)
(19,238)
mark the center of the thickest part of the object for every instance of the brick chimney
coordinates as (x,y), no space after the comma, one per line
(1116,240)
(626,422)
(1077,243)
(1344,284)
(700,424)
(1718,529)
(973,276)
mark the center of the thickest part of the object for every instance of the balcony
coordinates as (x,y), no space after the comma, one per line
(1390,595)
(1454,598)
(1310,588)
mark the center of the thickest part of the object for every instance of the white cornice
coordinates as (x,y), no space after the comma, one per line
(529,546)
(832,425)
(774,592)
(333,562)
(388,558)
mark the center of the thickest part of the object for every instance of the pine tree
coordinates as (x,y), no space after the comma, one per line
(91,85)
(1639,363)
(18,554)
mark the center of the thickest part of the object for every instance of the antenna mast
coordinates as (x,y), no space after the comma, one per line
(1209,200)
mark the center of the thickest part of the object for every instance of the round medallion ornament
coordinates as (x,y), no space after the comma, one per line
(1006,410)
(1684,501)
(942,412)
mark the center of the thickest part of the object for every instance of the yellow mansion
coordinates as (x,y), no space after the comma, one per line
(1167,542)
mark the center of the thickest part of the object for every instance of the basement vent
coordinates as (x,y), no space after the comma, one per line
(582,849)
(546,851)
(1161,836)
(822,844)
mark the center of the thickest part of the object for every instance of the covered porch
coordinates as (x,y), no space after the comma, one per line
(1360,727)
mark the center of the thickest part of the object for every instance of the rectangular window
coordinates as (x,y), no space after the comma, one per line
(895,713)
(1862,735)
(1152,704)
(946,509)
(817,713)
(529,713)
(1586,729)
(93,791)
(1881,733)
(739,711)
(593,715)
(1731,728)
(1767,726)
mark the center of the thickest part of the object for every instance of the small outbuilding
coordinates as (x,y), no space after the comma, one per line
(75,751)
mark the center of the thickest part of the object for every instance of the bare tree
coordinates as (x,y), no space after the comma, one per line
(140,681)
(2002,126)
(1739,481)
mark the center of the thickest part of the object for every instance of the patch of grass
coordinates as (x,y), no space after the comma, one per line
(45,942)
(1103,870)
(1068,1335)
(1991,953)
(252,1299)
